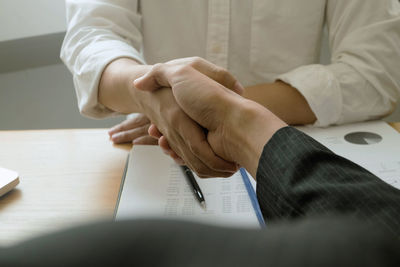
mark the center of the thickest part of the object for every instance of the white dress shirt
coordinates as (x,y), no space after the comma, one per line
(258,41)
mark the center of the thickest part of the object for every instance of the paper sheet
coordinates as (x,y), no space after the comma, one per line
(155,187)
(373,145)
(8,180)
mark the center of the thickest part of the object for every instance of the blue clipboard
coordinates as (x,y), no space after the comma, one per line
(253,197)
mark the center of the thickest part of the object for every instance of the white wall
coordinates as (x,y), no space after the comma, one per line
(42,98)
(27,18)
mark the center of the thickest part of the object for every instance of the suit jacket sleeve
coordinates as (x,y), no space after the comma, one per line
(299,177)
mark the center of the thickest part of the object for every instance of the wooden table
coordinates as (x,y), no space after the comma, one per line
(395,125)
(68,177)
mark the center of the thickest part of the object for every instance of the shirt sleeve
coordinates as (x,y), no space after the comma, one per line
(99,32)
(362,81)
(298,177)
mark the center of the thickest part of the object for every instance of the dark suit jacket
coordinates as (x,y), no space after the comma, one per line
(321,210)
(297,177)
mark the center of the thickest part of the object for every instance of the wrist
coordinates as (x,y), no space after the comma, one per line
(116,85)
(252,127)
(139,98)
(157,104)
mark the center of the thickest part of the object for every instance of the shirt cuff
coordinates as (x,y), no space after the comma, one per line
(320,88)
(89,67)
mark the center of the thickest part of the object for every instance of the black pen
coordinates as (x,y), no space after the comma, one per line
(196,188)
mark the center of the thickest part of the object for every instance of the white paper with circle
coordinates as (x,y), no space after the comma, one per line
(373,145)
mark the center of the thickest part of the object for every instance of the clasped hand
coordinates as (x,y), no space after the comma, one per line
(186,120)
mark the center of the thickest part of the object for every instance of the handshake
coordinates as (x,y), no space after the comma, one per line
(225,130)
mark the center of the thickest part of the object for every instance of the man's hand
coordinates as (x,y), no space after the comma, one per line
(133,130)
(237,128)
(183,138)
(212,71)
(202,100)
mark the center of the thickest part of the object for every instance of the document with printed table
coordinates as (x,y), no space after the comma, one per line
(155,187)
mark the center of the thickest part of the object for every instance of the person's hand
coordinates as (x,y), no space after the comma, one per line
(215,72)
(237,128)
(185,137)
(199,98)
(133,130)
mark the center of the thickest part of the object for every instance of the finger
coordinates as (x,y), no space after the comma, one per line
(163,143)
(218,74)
(161,75)
(129,135)
(154,79)
(154,132)
(145,140)
(196,141)
(176,156)
(178,161)
(203,170)
(166,152)
(215,166)
(182,141)
(211,70)
(129,123)
(186,157)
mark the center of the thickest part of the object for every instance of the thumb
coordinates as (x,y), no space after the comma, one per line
(203,99)
(146,83)
(155,79)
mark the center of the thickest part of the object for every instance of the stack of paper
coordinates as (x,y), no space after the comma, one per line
(155,187)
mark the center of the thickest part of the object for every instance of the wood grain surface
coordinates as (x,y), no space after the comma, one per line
(395,125)
(67,177)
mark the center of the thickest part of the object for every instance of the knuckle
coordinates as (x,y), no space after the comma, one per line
(194,148)
(141,117)
(117,128)
(124,125)
(166,135)
(135,121)
(157,67)
(221,73)
(181,70)
(213,164)
(153,141)
(201,170)
(122,135)
(144,130)
(200,150)
(195,61)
